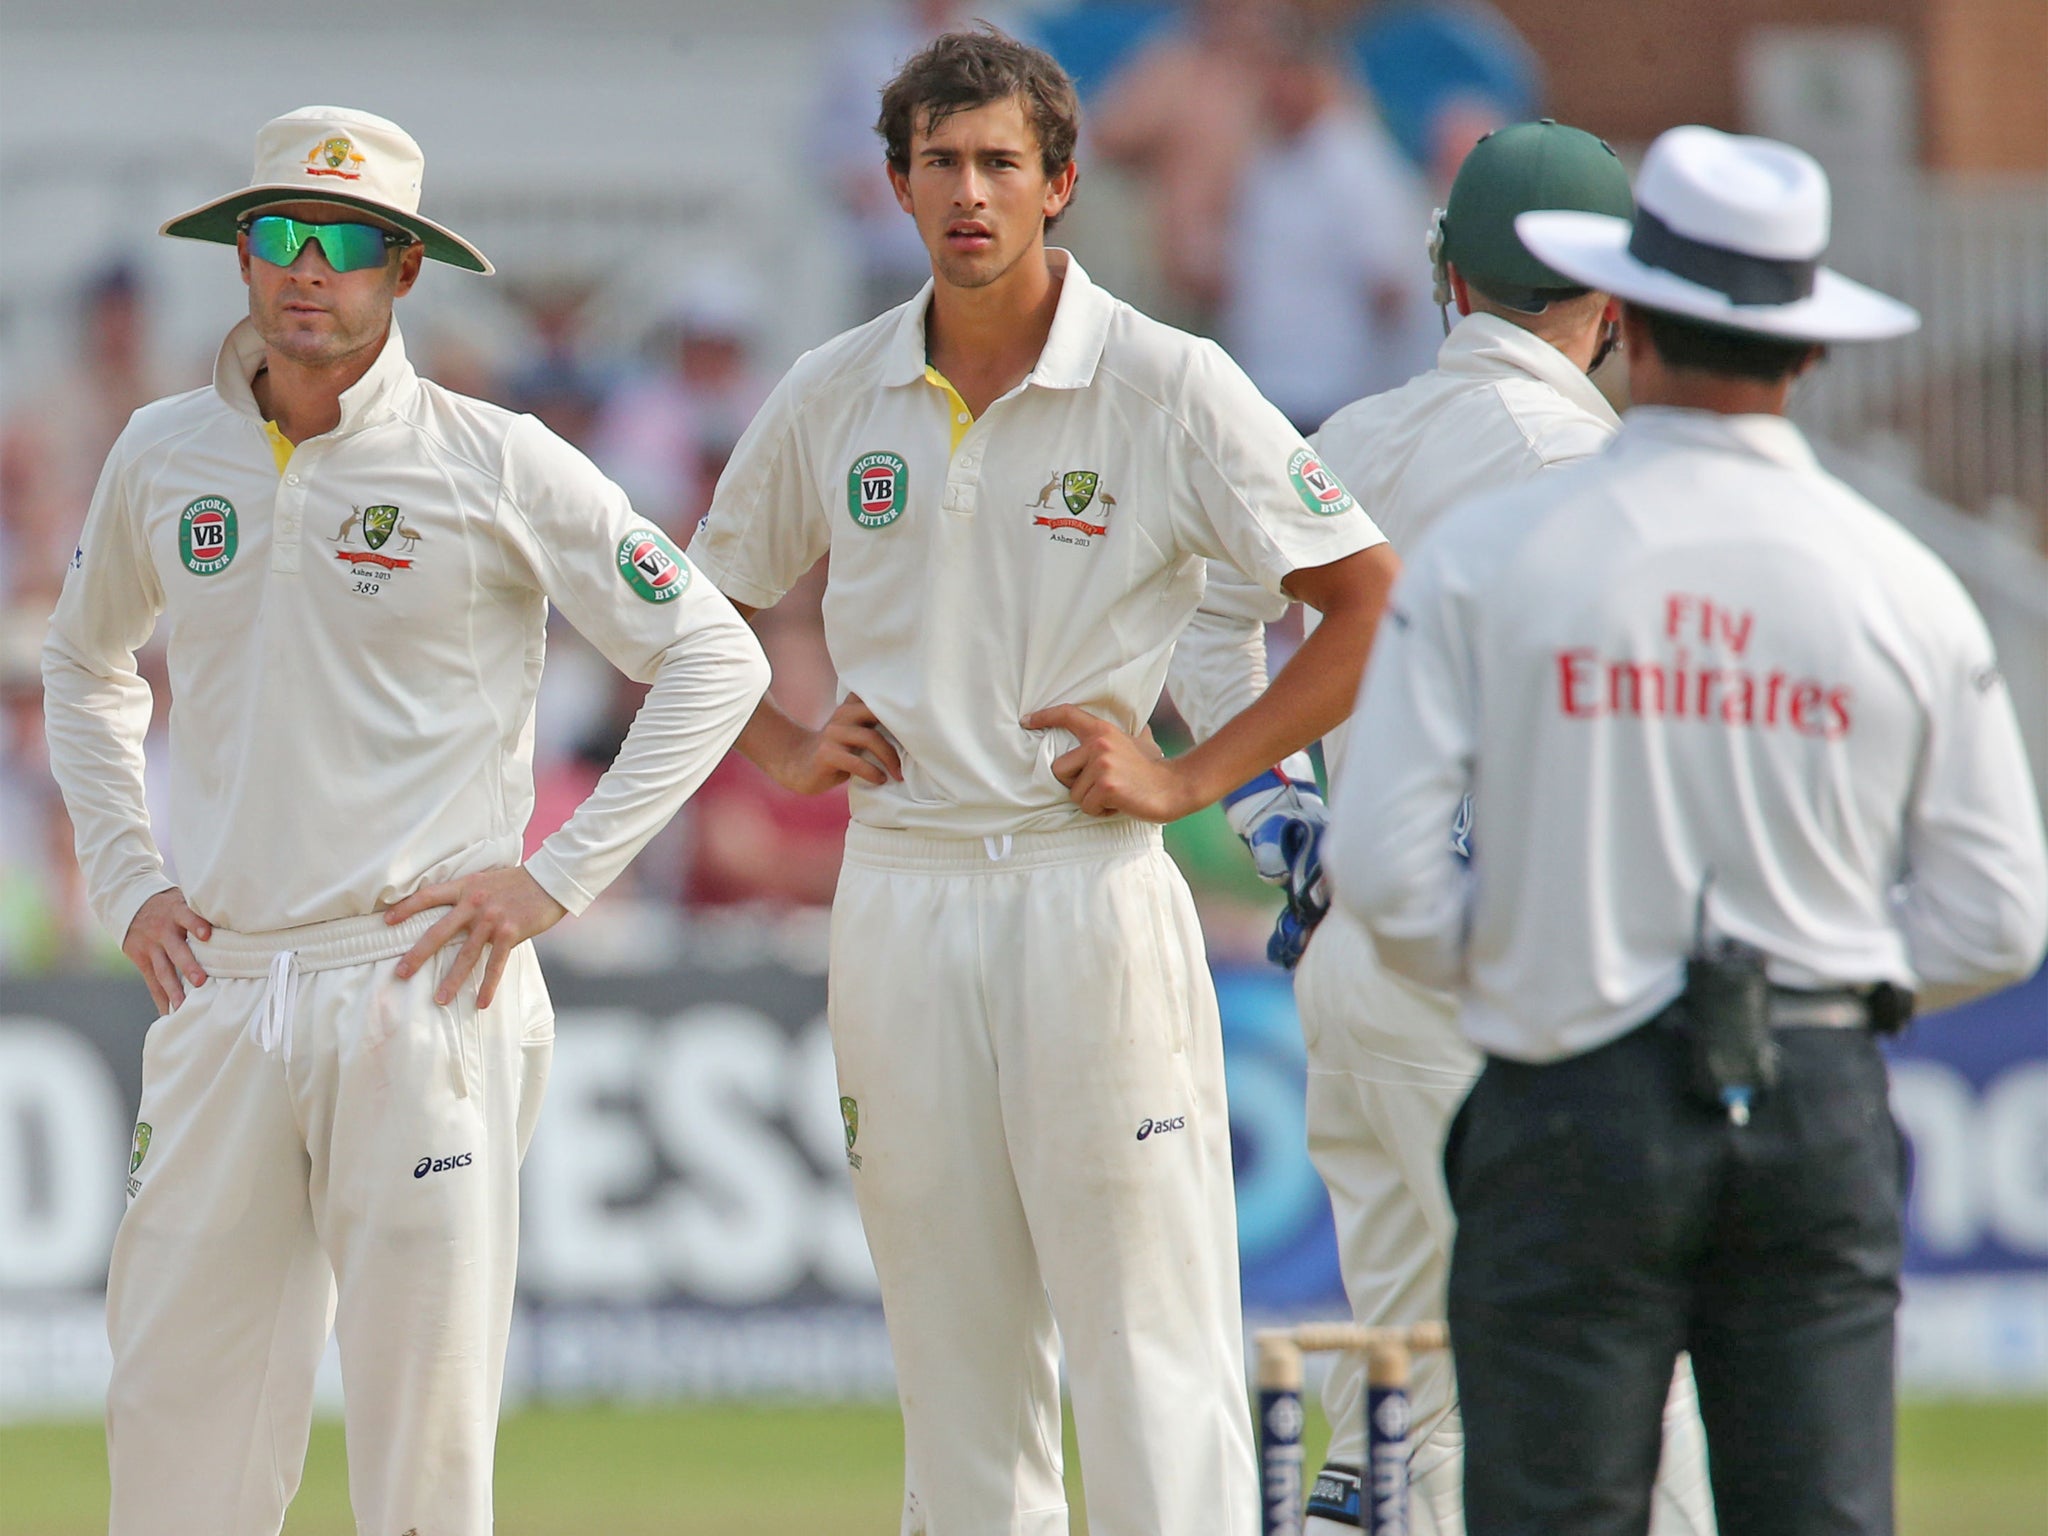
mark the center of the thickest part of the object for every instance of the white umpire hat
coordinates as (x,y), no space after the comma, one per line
(333,155)
(1729,230)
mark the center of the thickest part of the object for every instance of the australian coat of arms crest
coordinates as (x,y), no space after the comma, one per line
(376,526)
(1079,490)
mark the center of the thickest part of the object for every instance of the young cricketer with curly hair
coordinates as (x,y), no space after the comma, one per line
(1026,1033)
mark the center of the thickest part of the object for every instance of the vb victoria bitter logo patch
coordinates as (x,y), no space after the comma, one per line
(208,535)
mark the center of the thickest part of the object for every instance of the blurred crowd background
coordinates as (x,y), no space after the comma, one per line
(681,200)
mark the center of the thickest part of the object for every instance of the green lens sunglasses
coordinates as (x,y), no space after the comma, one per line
(347,247)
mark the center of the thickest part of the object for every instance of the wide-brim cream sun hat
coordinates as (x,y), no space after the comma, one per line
(1729,230)
(333,155)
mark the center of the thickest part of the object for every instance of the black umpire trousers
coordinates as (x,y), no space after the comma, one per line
(1607,1220)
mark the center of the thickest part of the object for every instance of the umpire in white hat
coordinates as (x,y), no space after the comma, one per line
(1745,779)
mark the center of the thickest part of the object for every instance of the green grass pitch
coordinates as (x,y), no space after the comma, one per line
(1965,1469)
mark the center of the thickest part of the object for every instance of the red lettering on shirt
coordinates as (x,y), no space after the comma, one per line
(1707,621)
(1838,707)
(1806,697)
(1677,605)
(1570,666)
(1634,675)
(1738,706)
(1708,677)
(1735,629)
(1592,687)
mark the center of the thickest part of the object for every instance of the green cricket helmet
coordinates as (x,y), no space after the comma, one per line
(1519,169)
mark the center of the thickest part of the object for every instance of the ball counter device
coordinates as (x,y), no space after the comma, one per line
(1384,1494)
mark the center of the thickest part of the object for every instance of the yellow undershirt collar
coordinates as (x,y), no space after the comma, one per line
(280,445)
(962,417)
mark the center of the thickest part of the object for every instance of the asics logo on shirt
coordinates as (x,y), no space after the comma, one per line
(427,1165)
(1150,1127)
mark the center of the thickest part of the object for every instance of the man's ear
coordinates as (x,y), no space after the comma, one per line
(1461,292)
(242,256)
(1060,191)
(899,183)
(410,259)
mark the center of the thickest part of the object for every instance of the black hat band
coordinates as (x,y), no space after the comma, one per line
(1746,279)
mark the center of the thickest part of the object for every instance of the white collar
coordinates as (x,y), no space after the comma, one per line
(1488,346)
(1080,326)
(1772,439)
(372,398)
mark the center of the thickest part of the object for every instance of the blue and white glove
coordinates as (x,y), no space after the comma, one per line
(1281,819)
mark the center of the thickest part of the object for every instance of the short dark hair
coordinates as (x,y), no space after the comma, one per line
(964,70)
(1704,348)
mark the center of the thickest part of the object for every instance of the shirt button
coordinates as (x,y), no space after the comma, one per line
(963,418)
(291,479)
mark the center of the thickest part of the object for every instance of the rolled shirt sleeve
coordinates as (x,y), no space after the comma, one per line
(96,705)
(627,589)
(1407,769)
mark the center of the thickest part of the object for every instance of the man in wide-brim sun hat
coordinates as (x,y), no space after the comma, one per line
(354,161)
(1745,779)
(354,568)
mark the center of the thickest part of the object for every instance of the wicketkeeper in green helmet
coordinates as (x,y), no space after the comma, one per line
(1480,263)
(1387,1067)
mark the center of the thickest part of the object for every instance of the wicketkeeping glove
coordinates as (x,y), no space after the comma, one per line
(1281,820)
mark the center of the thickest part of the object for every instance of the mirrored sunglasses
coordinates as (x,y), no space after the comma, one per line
(347,247)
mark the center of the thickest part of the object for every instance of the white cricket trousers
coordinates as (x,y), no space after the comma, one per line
(1032,1062)
(325,1146)
(1387,1069)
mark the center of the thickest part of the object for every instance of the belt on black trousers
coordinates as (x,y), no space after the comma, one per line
(1607,1220)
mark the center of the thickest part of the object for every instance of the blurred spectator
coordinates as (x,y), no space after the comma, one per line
(559,384)
(664,434)
(44,918)
(51,457)
(31,508)
(1329,282)
(1186,114)
(1458,124)
(451,357)
(859,60)
(1443,73)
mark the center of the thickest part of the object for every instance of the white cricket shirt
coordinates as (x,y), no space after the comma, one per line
(1499,406)
(1047,553)
(1697,651)
(355,637)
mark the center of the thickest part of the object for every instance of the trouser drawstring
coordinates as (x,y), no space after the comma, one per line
(272,1026)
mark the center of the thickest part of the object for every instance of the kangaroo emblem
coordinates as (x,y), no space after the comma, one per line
(1045,495)
(348,526)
